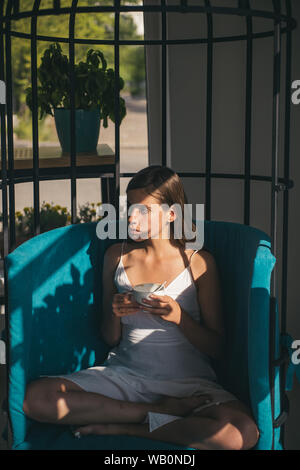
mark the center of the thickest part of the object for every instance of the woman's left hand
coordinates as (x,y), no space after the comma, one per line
(165,306)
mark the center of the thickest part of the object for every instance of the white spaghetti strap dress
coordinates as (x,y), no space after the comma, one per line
(154,358)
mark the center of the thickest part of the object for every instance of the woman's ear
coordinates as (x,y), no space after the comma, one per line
(172,216)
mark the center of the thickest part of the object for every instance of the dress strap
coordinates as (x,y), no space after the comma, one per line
(122,249)
(195,251)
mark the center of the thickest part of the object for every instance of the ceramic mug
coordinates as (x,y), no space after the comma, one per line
(143,291)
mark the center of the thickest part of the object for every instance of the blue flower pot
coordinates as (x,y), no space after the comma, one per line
(87,129)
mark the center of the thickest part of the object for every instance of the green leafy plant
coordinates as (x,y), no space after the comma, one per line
(88,213)
(94,84)
(52,216)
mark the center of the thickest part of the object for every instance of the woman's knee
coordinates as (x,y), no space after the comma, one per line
(248,431)
(41,399)
(241,432)
(232,429)
(241,419)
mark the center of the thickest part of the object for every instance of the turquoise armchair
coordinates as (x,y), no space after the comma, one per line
(54,302)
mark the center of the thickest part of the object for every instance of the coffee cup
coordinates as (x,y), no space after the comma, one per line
(143,291)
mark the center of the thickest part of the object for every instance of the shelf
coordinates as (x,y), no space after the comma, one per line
(51,156)
(52,163)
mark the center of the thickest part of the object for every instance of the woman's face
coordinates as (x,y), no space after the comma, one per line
(146,217)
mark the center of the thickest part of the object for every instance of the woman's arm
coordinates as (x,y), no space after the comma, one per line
(208,337)
(110,324)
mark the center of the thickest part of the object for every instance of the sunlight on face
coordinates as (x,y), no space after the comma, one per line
(146,217)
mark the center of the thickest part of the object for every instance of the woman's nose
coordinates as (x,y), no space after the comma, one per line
(133,216)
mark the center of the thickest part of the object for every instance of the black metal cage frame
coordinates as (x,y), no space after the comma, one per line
(283,23)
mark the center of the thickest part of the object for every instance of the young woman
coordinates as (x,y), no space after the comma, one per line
(157,381)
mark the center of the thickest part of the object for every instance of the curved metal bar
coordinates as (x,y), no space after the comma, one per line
(72,111)
(35,128)
(284,273)
(275,134)
(163,84)
(288,80)
(11,242)
(25,176)
(209,81)
(116,195)
(158,8)
(3,144)
(16,7)
(248,118)
(56,5)
(10,140)
(274,202)
(154,42)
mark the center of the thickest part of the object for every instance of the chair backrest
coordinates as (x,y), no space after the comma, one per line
(245,263)
(54,300)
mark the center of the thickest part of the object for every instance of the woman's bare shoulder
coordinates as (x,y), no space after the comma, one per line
(206,255)
(112,254)
(202,262)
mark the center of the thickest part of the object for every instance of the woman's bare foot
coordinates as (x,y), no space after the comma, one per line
(98,429)
(182,406)
(168,405)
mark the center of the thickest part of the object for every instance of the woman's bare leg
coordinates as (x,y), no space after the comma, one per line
(227,426)
(58,400)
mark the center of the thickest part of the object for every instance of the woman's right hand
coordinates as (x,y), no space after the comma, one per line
(125,304)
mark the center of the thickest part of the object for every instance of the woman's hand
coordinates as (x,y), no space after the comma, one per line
(124,304)
(165,306)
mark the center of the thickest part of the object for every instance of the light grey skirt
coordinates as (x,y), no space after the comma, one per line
(116,382)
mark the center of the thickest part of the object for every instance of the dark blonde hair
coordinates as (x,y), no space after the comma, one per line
(165,185)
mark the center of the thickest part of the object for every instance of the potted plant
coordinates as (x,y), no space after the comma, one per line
(94,96)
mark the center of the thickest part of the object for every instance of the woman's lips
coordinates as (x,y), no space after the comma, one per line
(134,233)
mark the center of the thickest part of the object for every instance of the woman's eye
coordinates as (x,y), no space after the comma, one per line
(142,209)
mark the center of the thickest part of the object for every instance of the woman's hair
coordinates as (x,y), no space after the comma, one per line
(165,185)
